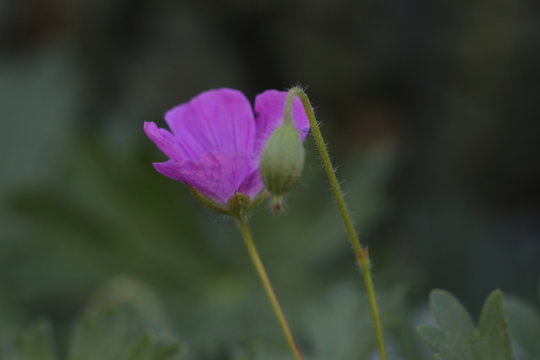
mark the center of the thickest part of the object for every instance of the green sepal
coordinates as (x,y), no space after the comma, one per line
(208,203)
(259,199)
(239,205)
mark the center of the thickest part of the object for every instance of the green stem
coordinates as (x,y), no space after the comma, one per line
(254,254)
(361,253)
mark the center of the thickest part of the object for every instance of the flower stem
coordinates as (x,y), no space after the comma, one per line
(361,253)
(254,254)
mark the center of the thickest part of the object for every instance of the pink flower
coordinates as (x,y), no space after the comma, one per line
(216,142)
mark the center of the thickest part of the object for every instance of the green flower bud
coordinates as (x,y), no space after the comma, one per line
(282,160)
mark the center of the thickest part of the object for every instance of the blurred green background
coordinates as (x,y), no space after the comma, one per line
(430,109)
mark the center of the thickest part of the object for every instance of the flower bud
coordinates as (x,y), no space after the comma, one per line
(282,160)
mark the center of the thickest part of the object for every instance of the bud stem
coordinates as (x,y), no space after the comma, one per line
(254,254)
(291,95)
(361,253)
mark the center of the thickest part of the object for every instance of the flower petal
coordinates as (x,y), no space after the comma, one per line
(191,148)
(215,121)
(269,109)
(170,169)
(216,175)
(164,140)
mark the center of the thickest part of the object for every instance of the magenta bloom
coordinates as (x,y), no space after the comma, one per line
(216,141)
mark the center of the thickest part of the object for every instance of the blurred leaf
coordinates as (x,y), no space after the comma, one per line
(456,337)
(524,321)
(34,343)
(336,324)
(451,316)
(108,331)
(339,325)
(493,327)
(123,290)
(119,333)
(433,336)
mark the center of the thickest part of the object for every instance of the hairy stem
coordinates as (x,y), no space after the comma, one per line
(254,254)
(361,253)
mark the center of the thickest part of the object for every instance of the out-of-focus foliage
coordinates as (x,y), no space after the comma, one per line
(430,110)
(117,331)
(125,321)
(457,338)
(34,343)
(160,249)
(524,327)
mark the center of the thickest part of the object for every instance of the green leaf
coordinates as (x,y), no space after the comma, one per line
(456,337)
(433,336)
(524,319)
(455,324)
(117,333)
(121,331)
(34,343)
(493,326)
(450,314)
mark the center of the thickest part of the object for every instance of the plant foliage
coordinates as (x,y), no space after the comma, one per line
(457,338)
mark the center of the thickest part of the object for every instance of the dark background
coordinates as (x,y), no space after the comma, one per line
(431,110)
